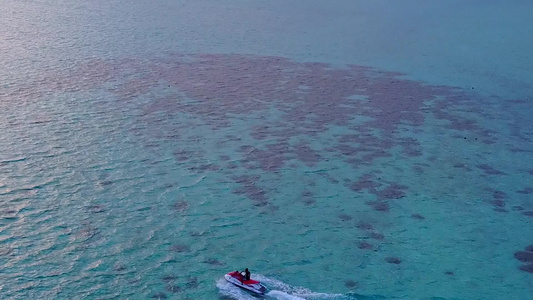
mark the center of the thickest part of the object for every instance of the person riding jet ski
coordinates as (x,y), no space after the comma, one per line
(246,275)
(242,279)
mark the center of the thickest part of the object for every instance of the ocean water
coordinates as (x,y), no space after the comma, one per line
(339,149)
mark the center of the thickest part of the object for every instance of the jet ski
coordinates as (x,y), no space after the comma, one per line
(252,285)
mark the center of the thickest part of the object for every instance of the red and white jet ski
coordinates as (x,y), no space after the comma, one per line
(252,285)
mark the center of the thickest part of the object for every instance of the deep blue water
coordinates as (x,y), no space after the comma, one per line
(340,150)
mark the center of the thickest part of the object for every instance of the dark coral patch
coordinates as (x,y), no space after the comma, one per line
(246,180)
(393,191)
(180,248)
(254,193)
(528,213)
(197,233)
(526,191)
(498,203)
(418,169)
(232,166)
(204,168)
(498,195)
(519,150)
(524,256)
(308,201)
(364,226)
(363,148)
(307,197)
(184,155)
(490,170)
(168,278)
(119,267)
(462,166)
(173,288)
(529,248)
(364,245)
(249,188)
(330,178)
(373,155)
(393,260)
(498,200)
(527,268)
(449,273)
(96,208)
(344,217)
(377,236)
(180,205)
(311,97)
(232,89)
(105,183)
(307,193)
(279,148)
(464,125)
(270,160)
(346,150)
(192,283)
(350,283)
(417,217)
(262,132)
(159,295)
(379,206)
(365,182)
(306,154)
(411,147)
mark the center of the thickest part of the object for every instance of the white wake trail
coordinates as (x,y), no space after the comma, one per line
(277,290)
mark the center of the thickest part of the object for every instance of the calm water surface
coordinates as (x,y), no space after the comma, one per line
(340,150)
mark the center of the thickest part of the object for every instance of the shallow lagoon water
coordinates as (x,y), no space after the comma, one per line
(146,149)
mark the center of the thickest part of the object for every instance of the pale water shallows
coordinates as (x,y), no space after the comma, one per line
(340,150)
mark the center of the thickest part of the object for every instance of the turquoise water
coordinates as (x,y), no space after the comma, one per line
(345,150)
